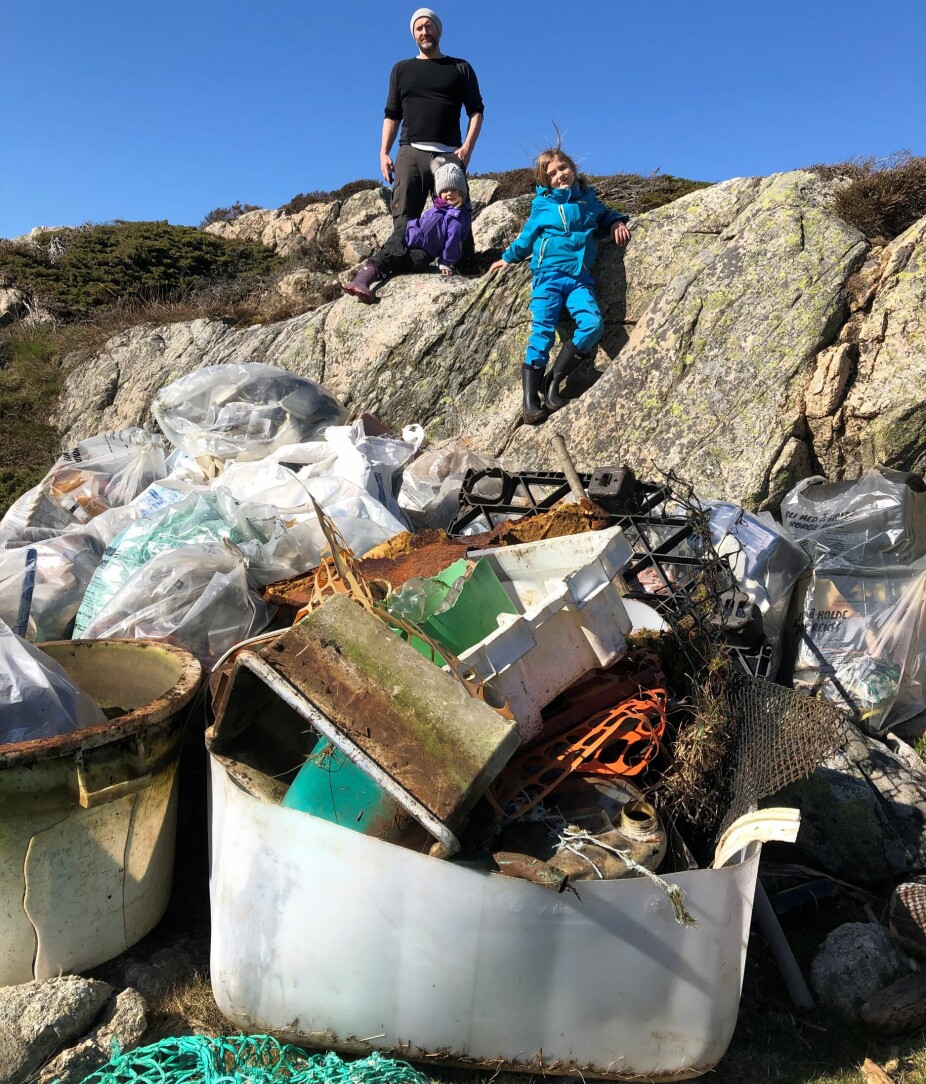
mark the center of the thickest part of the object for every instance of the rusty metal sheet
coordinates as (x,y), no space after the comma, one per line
(430,551)
(415,721)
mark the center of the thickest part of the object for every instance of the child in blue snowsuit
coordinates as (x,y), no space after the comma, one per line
(560,236)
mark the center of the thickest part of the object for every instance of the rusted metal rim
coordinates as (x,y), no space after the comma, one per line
(132,722)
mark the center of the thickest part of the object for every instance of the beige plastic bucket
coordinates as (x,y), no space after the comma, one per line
(88,819)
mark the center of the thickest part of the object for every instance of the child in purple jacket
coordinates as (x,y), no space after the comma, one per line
(437,235)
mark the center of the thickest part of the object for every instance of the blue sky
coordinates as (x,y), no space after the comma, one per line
(167,110)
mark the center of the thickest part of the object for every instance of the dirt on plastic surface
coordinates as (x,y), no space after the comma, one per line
(353,684)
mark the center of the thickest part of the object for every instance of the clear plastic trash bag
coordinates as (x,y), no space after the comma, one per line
(42,583)
(100,473)
(37,698)
(862,642)
(430,493)
(878,519)
(243,412)
(195,597)
(273,550)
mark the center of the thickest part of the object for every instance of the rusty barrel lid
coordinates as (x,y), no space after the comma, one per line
(183,668)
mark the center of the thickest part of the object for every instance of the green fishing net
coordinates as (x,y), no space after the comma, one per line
(246,1059)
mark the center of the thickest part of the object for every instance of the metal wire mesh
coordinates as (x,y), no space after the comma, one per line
(778,737)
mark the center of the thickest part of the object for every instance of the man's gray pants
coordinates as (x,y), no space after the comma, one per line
(414,182)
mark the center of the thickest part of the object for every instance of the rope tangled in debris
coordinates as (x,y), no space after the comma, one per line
(574,839)
(245,1059)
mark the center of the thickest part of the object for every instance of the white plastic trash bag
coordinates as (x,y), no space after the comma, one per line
(42,583)
(37,698)
(878,519)
(362,519)
(100,473)
(430,493)
(243,411)
(372,463)
(195,597)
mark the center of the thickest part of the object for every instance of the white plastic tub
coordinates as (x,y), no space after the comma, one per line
(326,937)
(88,819)
(571,619)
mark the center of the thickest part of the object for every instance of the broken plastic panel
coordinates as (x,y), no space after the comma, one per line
(605,965)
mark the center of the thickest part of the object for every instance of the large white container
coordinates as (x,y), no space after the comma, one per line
(327,937)
(88,819)
(571,619)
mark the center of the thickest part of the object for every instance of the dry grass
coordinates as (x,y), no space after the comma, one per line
(880,197)
(187,1010)
(511,183)
(633,193)
(696,785)
(337,195)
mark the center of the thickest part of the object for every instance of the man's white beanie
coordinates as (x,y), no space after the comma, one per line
(426,13)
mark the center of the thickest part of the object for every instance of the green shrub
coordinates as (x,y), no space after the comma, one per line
(228,214)
(76,271)
(339,195)
(880,198)
(30,379)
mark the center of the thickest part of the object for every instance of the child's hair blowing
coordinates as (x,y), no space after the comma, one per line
(543,161)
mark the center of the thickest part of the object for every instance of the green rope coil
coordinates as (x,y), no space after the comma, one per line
(246,1059)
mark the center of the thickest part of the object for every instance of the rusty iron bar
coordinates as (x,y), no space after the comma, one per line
(568,467)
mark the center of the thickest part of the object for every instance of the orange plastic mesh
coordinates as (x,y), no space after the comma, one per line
(620,741)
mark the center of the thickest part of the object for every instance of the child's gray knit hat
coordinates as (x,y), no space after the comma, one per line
(426,13)
(448,173)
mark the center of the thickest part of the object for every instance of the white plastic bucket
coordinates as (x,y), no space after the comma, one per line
(326,937)
(88,819)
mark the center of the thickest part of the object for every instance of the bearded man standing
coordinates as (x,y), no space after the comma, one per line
(426,95)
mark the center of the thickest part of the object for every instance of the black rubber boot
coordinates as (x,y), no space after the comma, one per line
(361,283)
(566,360)
(532,413)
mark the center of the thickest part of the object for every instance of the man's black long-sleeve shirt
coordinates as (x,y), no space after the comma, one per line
(427,96)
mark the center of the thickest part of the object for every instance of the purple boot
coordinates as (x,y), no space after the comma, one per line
(361,283)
